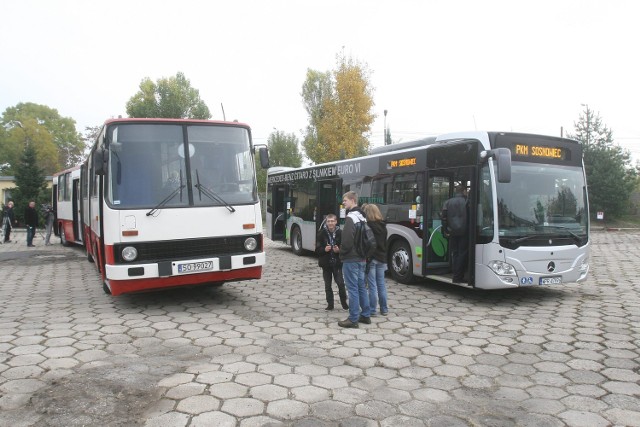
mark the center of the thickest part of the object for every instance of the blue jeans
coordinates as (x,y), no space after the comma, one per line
(353,273)
(377,287)
(31,231)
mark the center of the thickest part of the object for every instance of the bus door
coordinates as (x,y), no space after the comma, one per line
(327,200)
(440,187)
(280,212)
(77,211)
(435,246)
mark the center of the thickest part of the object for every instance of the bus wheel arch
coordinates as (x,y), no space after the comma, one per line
(401,261)
(296,240)
(63,237)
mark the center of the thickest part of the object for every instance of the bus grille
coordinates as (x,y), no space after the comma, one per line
(172,250)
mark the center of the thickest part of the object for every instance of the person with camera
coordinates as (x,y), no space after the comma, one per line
(49,217)
(8,221)
(328,241)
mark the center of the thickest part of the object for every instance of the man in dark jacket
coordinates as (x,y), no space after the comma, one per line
(328,243)
(31,220)
(455,225)
(353,265)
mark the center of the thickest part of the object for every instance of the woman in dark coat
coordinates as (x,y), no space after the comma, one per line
(378,262)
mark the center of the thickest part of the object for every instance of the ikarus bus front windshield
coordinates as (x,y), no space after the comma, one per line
(153,166)
(542,201)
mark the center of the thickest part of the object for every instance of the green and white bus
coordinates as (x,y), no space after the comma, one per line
(528,206)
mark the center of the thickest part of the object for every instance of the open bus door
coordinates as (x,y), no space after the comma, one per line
(327,200)
(280,212)
(437,254)
(435,245)
(77,211)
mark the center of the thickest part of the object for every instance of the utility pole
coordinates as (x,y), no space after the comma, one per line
(386,141)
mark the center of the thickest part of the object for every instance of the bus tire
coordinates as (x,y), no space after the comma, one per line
(63,237)
(89,257)
(401,262)
(106,289)
(296,240)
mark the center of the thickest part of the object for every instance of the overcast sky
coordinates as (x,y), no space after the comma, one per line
(436,66)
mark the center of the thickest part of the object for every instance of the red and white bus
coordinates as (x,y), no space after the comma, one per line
(68,206)
(171,202)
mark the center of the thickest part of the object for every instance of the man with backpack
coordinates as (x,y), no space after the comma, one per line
(354,264)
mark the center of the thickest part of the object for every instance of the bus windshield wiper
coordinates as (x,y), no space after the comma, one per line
(575,237)
(166,200)
(210,194)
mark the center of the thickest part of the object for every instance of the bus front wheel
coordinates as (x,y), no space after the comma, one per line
(296,241)
(401,263)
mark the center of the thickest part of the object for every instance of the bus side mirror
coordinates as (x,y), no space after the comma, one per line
(264,157)
(99,161)
(503,160)
(503,156)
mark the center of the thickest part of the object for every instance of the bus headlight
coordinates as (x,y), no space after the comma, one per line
(584,265)
(250,244)
(129,253)
(502,268)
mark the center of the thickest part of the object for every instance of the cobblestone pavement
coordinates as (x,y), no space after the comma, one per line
(267,353)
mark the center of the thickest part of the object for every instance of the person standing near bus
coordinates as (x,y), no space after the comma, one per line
(328,242)
(378,262)
(31,220)
(353,265)
(8,220)
(455,216)
(49,216)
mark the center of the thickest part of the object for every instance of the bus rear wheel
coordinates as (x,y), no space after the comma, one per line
(401,262)
(296,241)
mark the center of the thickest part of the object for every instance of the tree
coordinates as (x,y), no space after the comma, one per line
(90,135)
(30,183)
(339,109)
(610,175)
(283,151)
(316,90)
(57,143)
(171,97)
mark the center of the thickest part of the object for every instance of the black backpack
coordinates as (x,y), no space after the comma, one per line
(364,240)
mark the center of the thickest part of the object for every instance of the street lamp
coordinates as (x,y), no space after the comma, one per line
(385,127)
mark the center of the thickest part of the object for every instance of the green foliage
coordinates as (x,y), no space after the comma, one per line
(30,182)
(339,105)
(283,151)
(171,97)
(57,143)
(610,175)
(90,134)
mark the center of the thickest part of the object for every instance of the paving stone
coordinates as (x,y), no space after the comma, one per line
(287,409)
(273,356)
(242,407)
(215,418)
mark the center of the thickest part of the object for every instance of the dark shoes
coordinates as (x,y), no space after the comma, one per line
(346,323)
(31,246)
(365,320)
(329,307)
(345,306)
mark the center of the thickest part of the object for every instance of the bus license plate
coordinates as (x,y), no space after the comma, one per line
(551,280)
(194,267)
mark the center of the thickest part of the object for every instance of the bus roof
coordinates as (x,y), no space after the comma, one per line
(166,120)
